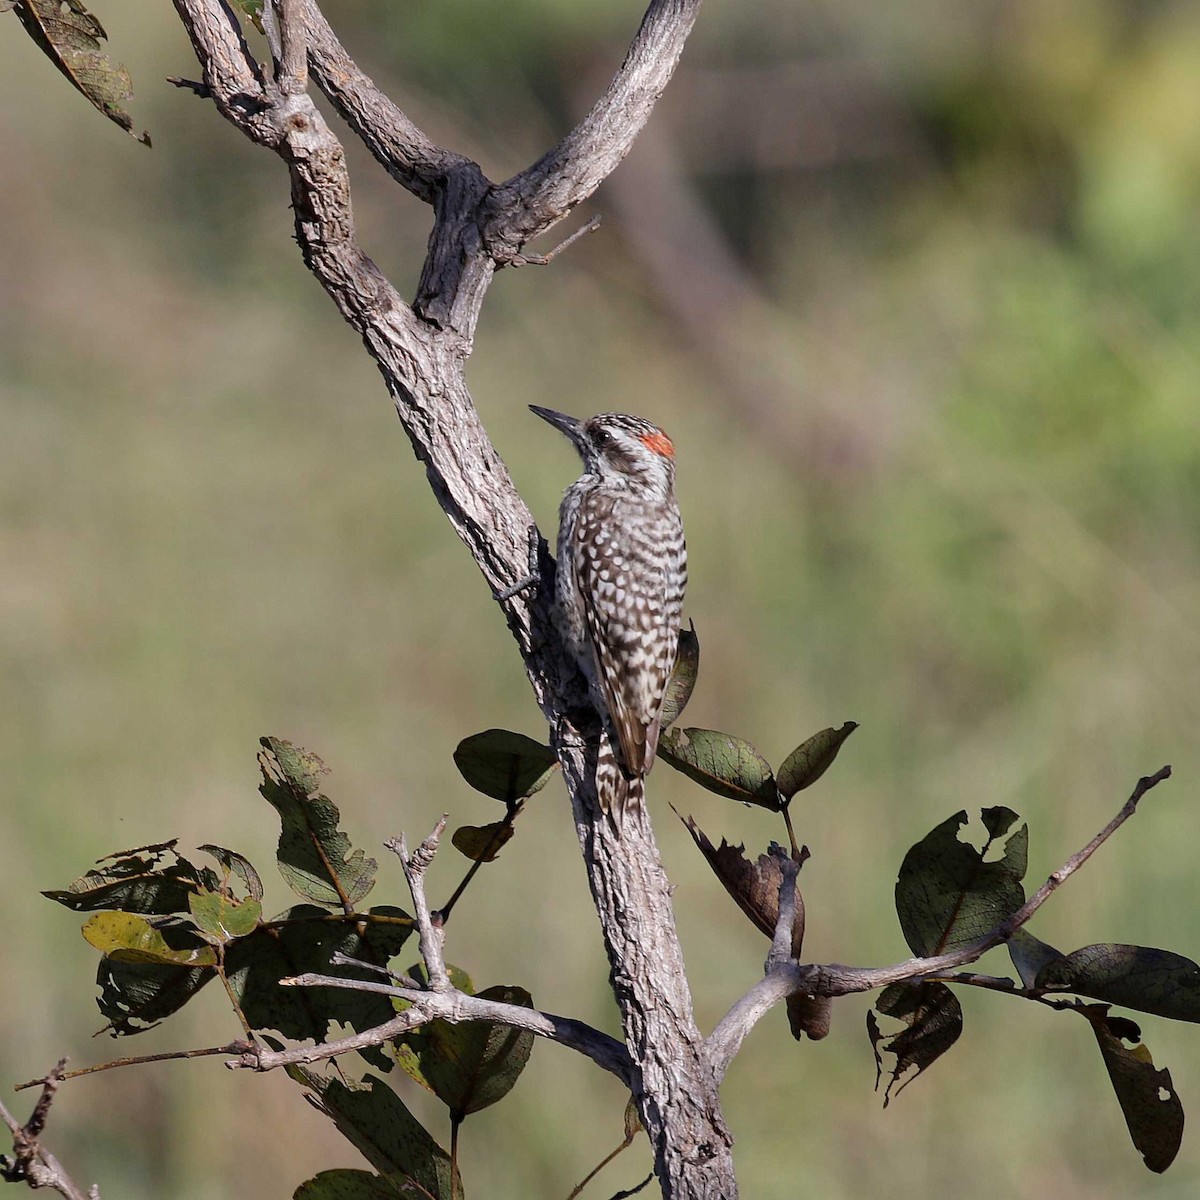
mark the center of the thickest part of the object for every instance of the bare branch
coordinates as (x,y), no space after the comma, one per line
(781,943)
(32,1162)
(529,203)
(421,351)
(138,1060)
(451,1005)
(431,935)
(292,78)
(787,978)
(411,158)
(544,260)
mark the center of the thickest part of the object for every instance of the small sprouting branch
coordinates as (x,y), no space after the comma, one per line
(786,978)
(781,943)
(493,844)
(32,1163)
(431,934)
(292,76)
(544,260)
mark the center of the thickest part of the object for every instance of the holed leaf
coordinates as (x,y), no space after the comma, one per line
(127,937)
(304,940)
(482,843)
(135,996)
(810,760)
(1139,977)
(237,864)
(473,1064)
(152,880)
(71,38)
(683,678)
(1152,1110)
(722,763)
(314,855)
(948,896)
(504,765)
(221,918)
(374,1119)
(753,886)
(933,1020)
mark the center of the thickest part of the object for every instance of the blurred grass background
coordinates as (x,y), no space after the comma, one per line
(916,291)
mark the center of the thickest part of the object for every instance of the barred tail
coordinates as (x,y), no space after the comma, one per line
(618,793)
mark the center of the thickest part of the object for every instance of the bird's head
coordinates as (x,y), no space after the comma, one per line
(618,447)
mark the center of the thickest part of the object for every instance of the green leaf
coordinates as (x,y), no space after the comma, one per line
(504,765)
(482,843)
(1139,977)
(236,864)
(152,880)
(683,677)
(222,918)
(722,763)
(354,1185)
(948,896)
(314,855)
(1151,1107)
(933,1020)
(303,940)
(1029,955)
(129,938)
(473,1064)
(254,10)
(374,1119)
(810,760)
(70,37)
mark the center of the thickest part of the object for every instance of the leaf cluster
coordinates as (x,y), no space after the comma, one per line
(167,926)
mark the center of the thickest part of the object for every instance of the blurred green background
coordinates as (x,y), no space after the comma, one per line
(916,290)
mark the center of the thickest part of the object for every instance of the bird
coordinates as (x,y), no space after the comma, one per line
(622,572)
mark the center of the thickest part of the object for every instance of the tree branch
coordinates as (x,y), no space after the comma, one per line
(421,351)
(32,1162)
(431,935)
(787,978)
(441,1000)
(529,203)
(408,155)
(450,1005)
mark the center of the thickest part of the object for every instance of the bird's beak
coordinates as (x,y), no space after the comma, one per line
(571,426)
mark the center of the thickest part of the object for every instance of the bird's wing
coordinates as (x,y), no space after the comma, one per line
(633,661)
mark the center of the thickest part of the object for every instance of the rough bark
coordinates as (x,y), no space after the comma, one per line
(421,350)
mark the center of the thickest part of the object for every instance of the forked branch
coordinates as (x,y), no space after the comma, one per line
(784,979)
(31,1162)
(441,1000)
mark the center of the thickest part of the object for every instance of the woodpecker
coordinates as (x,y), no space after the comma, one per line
(622,570)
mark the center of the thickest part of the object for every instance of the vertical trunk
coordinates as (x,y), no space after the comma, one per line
(679,1104)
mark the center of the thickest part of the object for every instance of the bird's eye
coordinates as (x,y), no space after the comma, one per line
(602,437)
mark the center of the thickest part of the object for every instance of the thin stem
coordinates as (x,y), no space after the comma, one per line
(494,843)
(787,820)
(233,1000)
(455,1123)
(625,1144)
(139,1059)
